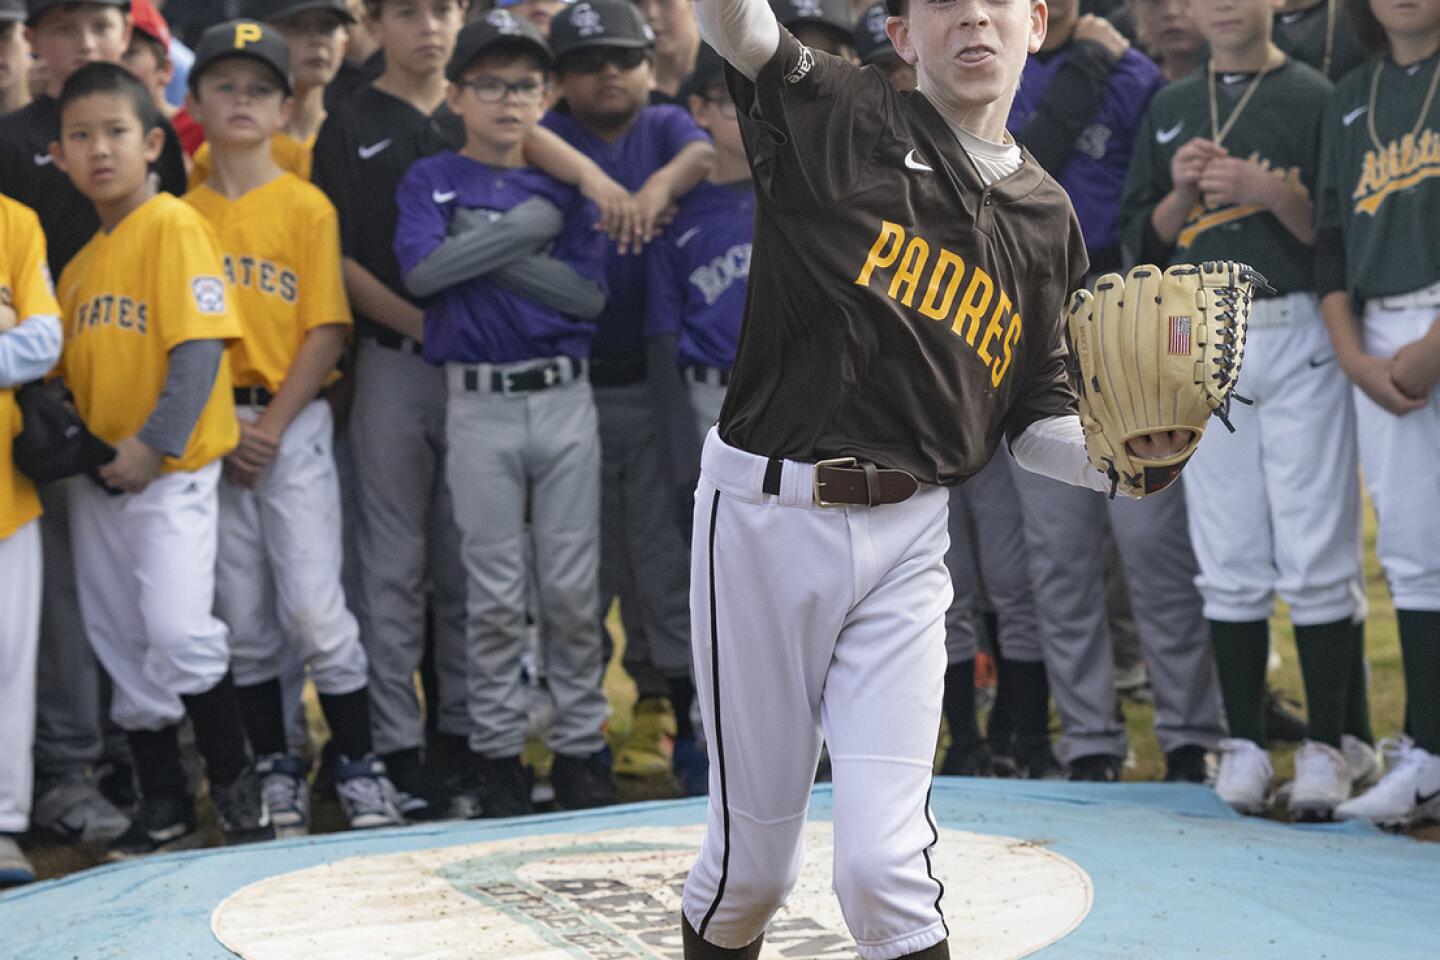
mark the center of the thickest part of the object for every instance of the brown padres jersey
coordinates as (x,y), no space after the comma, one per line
(899,310)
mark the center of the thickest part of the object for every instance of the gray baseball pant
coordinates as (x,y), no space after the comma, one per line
(407,537)
(1065,529)
(544,444)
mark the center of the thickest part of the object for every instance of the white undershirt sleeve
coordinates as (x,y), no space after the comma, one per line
(1055,448)
(744,32)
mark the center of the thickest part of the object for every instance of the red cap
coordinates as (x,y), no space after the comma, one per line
(149,22)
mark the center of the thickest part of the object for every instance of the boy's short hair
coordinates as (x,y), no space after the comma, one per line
(113,79)
(1367,28)
(36,9)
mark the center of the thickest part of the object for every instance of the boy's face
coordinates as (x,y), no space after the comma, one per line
(1165,28)
(1232,24)
(418,35)
(969,53)
(239,102)
(69,37)
(317,40)
(142,59)
(674,24)
(104,148)
(715,112)
(500,99)
(1407,17)
(14,55)
(606,85)
(1063,14)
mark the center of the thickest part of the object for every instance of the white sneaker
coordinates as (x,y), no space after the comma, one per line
(1322,782)
(1366,764)
(1243,780)
(1408,795)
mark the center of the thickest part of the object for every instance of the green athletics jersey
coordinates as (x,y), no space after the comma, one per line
(1386,199)
(1303,34)
(1279,129)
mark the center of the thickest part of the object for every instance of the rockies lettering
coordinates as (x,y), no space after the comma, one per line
(107,309)
(269,278)
(986,321)
(719,275)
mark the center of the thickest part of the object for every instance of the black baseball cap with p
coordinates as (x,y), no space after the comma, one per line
(35,9)
(599,23)
(242,38)
(494,29)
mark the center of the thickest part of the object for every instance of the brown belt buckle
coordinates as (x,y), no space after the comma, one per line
(820,500)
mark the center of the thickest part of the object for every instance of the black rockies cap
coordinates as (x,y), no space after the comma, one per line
(709,71)
(493,28)
(274,11)
(872,44)
(242,38)
(36,9)
(600,23)
(834,14)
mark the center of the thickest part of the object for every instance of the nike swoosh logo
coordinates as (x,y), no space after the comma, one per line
(913,162)
(1353,115)
(367,152)
(686,237)
(1317,362)
(442,196)
(1163,137)
(1423,798)
(43,159)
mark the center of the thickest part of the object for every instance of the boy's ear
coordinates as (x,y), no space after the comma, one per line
(154,144)
(129,32)
(453,92)
(287,111)
(898,29)
(58,157)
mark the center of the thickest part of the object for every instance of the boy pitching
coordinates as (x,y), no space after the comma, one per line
(937,256)
(278,577)
(148,316)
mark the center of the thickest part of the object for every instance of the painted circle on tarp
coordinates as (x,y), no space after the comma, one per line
(615,895)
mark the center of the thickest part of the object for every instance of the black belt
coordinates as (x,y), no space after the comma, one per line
(847,481)
(390,340)
(253,397)
(699,373)
(528,380)
(617,371)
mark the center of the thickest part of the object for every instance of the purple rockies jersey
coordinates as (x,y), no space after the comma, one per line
(658,135)
(698,273)
(479,321)
(1095,174)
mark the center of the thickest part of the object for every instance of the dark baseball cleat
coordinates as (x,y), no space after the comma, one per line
(414,791)
(241,808)
(1283,720)
(973,761)
(1096,768)
(1187,764)
(1035,759)
(503,787)
(160,824)
(582,782)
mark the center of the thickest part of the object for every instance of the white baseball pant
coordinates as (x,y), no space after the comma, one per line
(277,582)
(20,574)
(145,568)
(808,617)
(1275,506)
(1401,459)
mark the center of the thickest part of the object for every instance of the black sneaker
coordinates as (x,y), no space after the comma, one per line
(159,824)
(1283,721)
(450,764)
(1035,759)
(974,760)
(240,805)
(503,787)
(412,785)
(1187,764)
(582,782)
(1096,768)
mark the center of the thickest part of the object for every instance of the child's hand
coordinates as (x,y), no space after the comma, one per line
(239,475)
(136,463)
(654,202)
(619,214)
(1374,375)
(8,317)
(256,451)
(1230,181)
(1190,163)
(1415,369)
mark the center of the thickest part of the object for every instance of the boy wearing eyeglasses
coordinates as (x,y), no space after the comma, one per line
(510,267)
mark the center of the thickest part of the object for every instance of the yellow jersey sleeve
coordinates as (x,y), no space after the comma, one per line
(25,286)
(191,300)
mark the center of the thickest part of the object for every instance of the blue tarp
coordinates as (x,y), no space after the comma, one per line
(1176,874)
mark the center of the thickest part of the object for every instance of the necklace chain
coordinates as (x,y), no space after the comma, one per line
(1217,132)
(1375,96)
